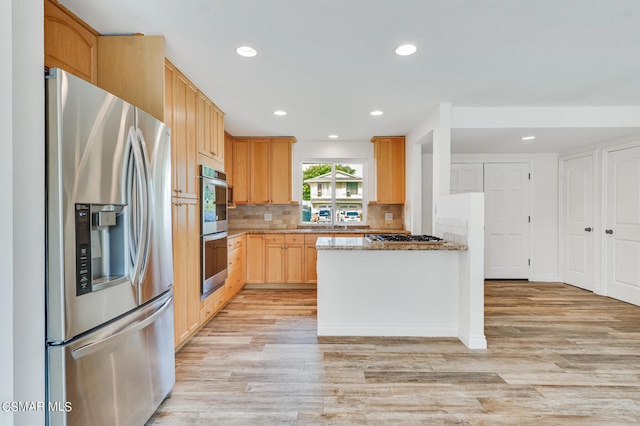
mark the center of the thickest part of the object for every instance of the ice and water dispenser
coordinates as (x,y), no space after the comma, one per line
(100,247)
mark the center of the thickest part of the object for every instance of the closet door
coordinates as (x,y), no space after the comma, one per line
(577,222)
(622,225)
(506,188)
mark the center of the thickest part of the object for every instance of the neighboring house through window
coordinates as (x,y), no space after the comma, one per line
(332,193)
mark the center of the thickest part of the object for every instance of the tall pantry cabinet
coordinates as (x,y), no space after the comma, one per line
(180,114)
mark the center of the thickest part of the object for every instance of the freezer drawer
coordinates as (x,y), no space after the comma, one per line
(117,375)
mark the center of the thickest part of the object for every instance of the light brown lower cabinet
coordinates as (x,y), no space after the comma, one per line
(284,258)
(293,258)
(311,256)
(255,259)
(186,271)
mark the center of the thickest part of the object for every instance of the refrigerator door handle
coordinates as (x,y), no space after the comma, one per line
(137,235)
(92,347)
(147,229)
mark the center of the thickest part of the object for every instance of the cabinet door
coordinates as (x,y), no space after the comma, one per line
(186,248)
(280,171)
(259,171)
(255,258)
(203,125)
(68,44)
(184,136)
(241,171)
(217,134)
(311,257)
(390,164)
(294,258)
(228,158)
(274,258)
(130,67)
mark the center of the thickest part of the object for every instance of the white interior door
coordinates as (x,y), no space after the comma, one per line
(466,177)
(577,222)
(506,188)
(622,225)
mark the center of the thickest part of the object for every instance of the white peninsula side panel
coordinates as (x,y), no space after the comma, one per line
(388,293)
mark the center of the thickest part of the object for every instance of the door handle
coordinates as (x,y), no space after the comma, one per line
(609,231)
(588,229)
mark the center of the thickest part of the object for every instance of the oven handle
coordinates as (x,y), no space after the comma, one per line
(214,181)
(215,236)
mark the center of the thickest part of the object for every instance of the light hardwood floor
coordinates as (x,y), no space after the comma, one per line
(557,355)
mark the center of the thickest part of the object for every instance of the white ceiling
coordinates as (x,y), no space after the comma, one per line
(329,63)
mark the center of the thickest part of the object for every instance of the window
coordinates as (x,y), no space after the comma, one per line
(332,193)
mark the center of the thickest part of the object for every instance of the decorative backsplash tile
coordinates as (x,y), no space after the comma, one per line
(376,216)
(288,216)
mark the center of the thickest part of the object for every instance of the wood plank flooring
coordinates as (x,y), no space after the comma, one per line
(557,355)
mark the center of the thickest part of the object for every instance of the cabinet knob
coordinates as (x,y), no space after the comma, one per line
(609,231)
(588,229)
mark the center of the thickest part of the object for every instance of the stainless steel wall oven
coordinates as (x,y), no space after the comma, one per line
(213,239)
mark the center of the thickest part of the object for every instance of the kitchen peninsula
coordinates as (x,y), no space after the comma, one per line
(394,289)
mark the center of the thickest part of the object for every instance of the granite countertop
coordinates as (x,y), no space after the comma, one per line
(355,243)
(316,230)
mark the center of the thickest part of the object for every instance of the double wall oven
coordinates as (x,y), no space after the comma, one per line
(213,229)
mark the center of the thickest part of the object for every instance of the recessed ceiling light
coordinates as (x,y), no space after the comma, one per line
(280,112)
(528,138)
(246,51)
(406,50)
(376,112)
(333,136)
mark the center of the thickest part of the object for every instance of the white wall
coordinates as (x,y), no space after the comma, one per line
(427,196)
(22,218)
(460,218)
(544,211)
(334,150)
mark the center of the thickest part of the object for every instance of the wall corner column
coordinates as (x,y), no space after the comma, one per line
(442,154)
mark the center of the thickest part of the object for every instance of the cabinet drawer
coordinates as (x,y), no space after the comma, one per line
(274,238)
(236,259)
(212,304)
(290,239)
(235,281)
(236,242)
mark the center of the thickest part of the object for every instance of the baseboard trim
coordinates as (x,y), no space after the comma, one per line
(281,286)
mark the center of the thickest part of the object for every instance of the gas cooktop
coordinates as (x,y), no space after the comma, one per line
(403,238)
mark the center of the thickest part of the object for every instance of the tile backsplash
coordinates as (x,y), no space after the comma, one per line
(288,216)
(451,229)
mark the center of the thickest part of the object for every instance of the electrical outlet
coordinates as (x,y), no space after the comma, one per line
(388,216)
(268,217)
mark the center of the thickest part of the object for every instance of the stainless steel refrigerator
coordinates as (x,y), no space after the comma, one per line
(110,355)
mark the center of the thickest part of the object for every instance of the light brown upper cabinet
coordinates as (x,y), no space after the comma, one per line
(181,104)
(261,170)
(69,43)
(390,168)
(228,157)
(131,67)
(210,123)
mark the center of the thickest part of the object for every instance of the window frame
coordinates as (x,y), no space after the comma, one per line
(363,162)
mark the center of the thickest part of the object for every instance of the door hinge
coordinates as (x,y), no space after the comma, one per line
(529,262)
